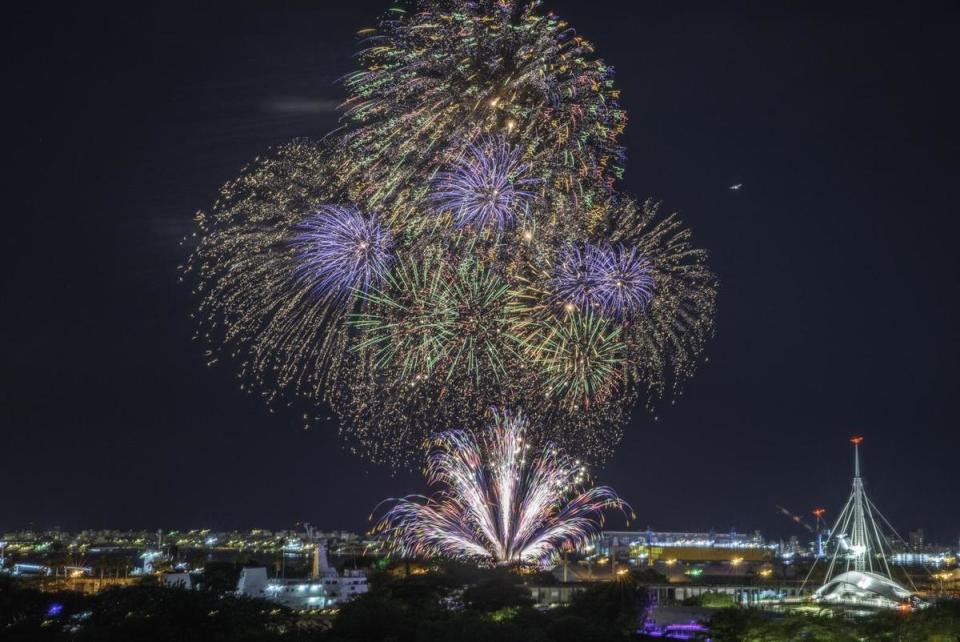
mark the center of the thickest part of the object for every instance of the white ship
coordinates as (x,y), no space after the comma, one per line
(325,588)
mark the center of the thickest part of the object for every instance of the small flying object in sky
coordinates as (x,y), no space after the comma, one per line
(736,187)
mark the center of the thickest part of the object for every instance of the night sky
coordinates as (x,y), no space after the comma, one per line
(838,307)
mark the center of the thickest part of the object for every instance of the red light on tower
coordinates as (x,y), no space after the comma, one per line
(819,512)
(856,440)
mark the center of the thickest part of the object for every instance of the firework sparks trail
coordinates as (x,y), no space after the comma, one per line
(501,501)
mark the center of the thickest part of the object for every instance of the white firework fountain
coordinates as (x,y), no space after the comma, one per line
(858,575)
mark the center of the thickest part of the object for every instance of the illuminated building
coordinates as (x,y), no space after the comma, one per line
(31,569)
(933,558)
(916,539)
(651,546)
(863,589)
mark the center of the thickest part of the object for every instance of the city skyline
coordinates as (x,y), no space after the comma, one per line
(837,274)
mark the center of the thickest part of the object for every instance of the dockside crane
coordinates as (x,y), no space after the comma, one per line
(796,518)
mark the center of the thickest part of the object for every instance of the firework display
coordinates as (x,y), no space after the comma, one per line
(456,94)
(438,320)
(581,357)
(577,275)
(486,187)
(340,251)
(625,286)
(500,500)
(459,243)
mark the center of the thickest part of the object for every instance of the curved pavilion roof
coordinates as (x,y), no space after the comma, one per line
(862,587)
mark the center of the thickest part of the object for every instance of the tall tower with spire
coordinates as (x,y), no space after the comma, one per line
(859,544)
(858,573)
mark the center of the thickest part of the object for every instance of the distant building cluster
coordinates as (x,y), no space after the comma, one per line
(256,540)
(653,548)
(291,568)
(77,561)
(641,547)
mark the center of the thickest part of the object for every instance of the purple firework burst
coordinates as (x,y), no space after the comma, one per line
(340,250)
(577,275)
(626,284)
(618,281)
(486,186)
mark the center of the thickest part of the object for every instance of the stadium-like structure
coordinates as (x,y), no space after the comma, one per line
(863,589)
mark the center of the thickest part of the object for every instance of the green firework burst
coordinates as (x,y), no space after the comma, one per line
(581,355)
(439,319)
